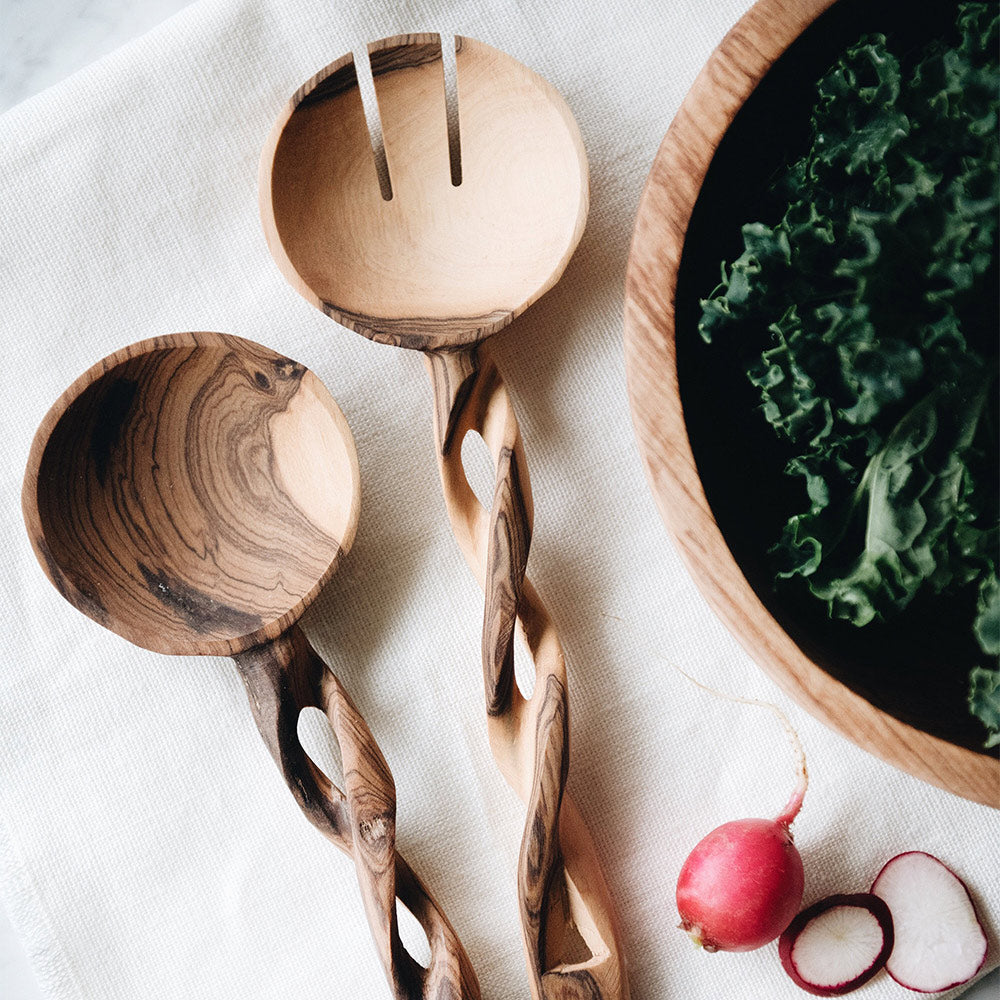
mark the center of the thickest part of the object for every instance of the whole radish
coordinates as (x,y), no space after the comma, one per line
(742,884)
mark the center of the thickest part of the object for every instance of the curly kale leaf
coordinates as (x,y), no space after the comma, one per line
(984,701)
(860,318)
(909,523)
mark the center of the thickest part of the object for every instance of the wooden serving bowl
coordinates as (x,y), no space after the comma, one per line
(745,116)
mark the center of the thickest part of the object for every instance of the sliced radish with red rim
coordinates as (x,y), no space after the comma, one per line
(837,944)
(939,940)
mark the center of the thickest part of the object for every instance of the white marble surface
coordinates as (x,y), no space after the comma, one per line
(42,42)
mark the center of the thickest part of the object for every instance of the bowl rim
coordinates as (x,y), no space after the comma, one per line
(207,645)
(671,189)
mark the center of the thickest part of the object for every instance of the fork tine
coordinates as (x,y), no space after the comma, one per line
(326,120)
(408,74)
(320,143)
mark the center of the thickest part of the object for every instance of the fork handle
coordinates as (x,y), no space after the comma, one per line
(284,676)
(568,925)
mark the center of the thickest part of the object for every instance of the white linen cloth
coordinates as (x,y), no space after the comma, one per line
(148,846)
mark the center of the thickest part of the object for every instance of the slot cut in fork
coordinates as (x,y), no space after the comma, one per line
(369,63)
(449,46)
(363,70)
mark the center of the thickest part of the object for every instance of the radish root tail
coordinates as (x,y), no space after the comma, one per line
(794,803)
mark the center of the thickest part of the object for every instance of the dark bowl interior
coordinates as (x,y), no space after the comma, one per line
(914,667)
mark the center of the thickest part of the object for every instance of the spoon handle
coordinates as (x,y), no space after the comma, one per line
(286,675)
(567,918)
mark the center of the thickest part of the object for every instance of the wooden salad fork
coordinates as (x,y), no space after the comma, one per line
(432,238)
(193,493)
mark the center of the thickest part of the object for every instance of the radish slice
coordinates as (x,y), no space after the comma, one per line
(837,944)
(939,940)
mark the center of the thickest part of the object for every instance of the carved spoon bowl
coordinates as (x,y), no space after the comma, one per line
(193,493)
(460,232)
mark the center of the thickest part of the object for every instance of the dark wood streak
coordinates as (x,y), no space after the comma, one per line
(562,964)
(165,517)
(113,412)
(314,178)
(450,975)
(172,496)
(453,376)
(540,861)
(79,592)
(282,678)
(404,52)
(336,79)
(510,540)
(341,76)
(570,984)
(201,611)
(423,333)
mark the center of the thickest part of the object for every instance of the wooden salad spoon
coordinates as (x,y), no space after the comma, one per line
(434,249)
(193,493)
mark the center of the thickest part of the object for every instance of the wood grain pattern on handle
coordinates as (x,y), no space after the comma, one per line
(438,268)
(192,493)
(678,170)
(282,678)
(567,917)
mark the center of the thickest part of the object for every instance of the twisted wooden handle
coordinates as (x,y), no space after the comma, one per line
(567,919)
(283,677)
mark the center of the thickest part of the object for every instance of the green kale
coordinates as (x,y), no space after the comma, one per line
(873,301)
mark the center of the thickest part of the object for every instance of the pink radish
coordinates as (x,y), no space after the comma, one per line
(740,886)
(837,944)
(940,942)
(742,883)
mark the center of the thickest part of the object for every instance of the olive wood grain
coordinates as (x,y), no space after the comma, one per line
(668,198)
(283,677)
(438,267)
(567,916)
(192,493)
